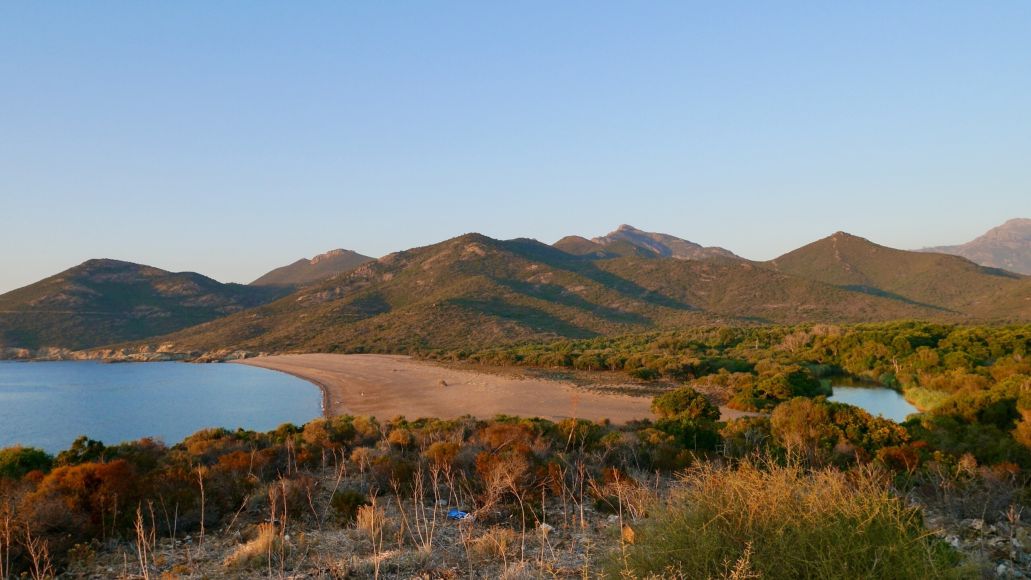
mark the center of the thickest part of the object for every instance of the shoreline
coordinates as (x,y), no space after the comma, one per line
(323,388)
(386,386)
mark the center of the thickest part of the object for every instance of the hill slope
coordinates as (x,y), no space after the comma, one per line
(473,291)
(105,301)
(662,244)
(950,284)
(1007,246)
(305,271)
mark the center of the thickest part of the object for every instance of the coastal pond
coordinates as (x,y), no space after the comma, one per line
(49,404)
(881,401)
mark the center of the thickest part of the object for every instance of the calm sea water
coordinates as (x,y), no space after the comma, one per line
(876,400)
(49,404)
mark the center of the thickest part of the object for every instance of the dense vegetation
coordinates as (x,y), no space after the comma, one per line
(807,488)
(516,475)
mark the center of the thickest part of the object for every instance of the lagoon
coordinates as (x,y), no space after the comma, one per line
(882,401)
(49,404)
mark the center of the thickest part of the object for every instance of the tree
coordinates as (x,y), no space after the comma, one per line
(685,403)
(17,461)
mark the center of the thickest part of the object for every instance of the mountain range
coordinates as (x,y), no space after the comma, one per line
(473,290)
(1007,246)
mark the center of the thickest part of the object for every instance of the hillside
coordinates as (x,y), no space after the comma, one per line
(306,271)
(472,291)
(1007,246)
(950,284)
(104,301)
(662,244)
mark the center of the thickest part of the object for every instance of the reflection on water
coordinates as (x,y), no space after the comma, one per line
(876,400)
(49,404)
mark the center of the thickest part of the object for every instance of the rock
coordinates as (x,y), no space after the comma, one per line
(544,528)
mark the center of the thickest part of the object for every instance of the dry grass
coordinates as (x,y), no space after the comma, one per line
(786,522)
(494,544)
(255,553)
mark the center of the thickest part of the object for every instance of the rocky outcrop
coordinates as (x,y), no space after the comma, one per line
(1001,549)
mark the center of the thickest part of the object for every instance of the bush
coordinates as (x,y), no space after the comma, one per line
(345,504)
(17,461)
(785,522)
(685,403)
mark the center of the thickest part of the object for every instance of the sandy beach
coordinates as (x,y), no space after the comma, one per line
(389,385)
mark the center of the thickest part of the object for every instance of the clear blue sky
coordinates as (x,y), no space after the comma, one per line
(228,138)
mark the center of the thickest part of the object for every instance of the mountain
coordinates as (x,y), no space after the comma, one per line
(305,271)
(105,301)
(662,244)
(1007,246)
(473,291)
(949,284)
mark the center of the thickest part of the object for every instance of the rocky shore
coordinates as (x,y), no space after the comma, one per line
(161,353)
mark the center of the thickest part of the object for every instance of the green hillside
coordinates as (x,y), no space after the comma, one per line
(106,301)
(473,290)
(951,284)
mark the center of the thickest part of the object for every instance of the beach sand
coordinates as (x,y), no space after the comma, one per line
(386,386)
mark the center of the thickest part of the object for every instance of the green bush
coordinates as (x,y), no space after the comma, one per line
(17,461)
(685,403)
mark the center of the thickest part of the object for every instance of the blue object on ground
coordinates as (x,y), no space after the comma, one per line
(457,514)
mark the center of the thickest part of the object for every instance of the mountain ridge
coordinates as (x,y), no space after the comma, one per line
(473,290)
(101,301)
(663,245)
(307,271)
(1007,246)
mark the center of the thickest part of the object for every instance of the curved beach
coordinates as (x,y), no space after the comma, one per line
(389,385)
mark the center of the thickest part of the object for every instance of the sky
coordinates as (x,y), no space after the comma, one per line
(229,138)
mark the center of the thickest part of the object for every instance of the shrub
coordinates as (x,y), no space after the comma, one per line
(685,403)
(787,523)
(345,504)
(15,462)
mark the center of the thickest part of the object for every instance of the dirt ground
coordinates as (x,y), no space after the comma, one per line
(389,385)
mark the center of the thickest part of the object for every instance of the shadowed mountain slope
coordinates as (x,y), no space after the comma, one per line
(305,271)
(104,301)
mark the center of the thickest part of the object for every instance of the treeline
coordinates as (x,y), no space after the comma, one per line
(972,380)
(938,357)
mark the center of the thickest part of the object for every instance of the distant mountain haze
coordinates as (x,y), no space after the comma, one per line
(305,271)
(662,244)
(1007,246)
(105,301)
